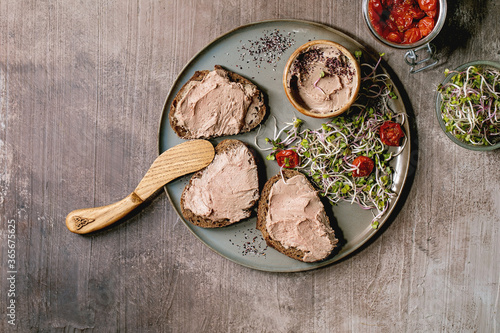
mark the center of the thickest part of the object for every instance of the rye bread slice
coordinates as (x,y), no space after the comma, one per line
(205,222)
(256,112)
(291,252)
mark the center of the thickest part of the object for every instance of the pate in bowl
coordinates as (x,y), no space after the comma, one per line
(322,79)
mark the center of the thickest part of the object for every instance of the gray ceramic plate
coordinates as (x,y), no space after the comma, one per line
(236,51)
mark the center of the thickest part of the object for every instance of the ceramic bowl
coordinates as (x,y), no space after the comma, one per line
(291,88)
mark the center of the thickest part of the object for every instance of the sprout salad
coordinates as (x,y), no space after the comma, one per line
(470,105)
(327,153)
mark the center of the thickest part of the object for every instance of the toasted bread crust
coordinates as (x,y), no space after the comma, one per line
(205,222)
(291,252)
(255,114)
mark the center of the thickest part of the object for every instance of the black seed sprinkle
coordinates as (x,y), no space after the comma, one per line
(267,49)
(339,66)
(304,60)
(255,245)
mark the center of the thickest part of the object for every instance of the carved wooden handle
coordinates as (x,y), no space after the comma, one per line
(184,158)
(82,221)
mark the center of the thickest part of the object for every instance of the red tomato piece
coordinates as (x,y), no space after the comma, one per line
(378,16)
(402,18)
(416,12)
(391,133)
(412,35)
(432,13)
(395,37)
(376,22)
(376,7)
(391,25)
(427,5)
(364,166)
(426,25)
(287,158)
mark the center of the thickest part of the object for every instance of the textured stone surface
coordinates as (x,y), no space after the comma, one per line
(82,87)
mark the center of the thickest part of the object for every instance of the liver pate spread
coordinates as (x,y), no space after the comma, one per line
(324,78)
(227,187)
(296,218)
(215,106)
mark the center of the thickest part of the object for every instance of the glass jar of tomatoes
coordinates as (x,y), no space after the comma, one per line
(407,24)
